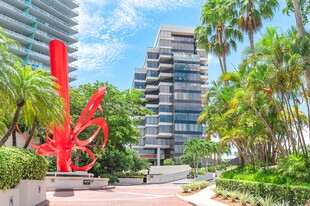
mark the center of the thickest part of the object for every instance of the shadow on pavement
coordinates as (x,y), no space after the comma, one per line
(62,193)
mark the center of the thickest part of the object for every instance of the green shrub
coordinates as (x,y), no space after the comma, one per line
(112,178)
(295,195)
(262,175)
(17,164)
(186,187)
(168,161)
(130,175)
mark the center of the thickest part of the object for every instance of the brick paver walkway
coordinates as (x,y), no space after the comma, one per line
(142,195)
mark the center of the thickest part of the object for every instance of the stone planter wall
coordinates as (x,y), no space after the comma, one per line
(9,197)
(32,192)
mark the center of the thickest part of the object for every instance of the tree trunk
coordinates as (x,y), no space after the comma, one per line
(298,18)
(13,124)
(14,143)
(77,157)
(31,134)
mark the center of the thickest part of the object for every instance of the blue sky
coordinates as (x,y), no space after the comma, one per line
(114,35)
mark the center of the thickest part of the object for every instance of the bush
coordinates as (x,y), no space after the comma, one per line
(168,161)
(130,175)
(261,175)
(112,178)
(18,164)
(295,195)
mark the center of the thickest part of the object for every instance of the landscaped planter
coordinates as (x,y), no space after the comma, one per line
(130,181)
(32,192)
(10,197)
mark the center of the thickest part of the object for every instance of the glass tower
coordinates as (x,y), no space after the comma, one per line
(34,23)
(173,79)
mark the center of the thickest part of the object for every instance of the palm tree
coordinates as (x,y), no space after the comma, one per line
(193,150)
(33,94)
(217,33)
(251,14)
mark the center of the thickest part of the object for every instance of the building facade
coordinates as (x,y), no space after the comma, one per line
(173,79)
(34,23)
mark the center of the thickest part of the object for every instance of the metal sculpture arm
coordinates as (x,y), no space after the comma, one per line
(64,138)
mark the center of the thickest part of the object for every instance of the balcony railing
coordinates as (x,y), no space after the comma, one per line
(16,22)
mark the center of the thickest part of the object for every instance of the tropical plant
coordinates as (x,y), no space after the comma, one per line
(224,194)
(186,187)
(32,96)
(193,152)
(168,161)
(251,14)
(217,33)
(233,195)
(267,201)
(243,197)
(253,200)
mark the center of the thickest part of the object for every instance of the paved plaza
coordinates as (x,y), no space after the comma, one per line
(139,195)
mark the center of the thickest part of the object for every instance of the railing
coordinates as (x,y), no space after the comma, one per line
(58,11)
(17,34)
(16,22)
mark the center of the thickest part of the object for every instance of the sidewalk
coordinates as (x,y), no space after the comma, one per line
(202,198)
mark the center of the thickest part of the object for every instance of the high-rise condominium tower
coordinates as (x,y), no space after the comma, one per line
(173,79)
(34,23)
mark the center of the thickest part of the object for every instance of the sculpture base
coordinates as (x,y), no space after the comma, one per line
(74,180)
(69,174)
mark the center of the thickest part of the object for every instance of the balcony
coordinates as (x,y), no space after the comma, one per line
(164,57)
(19,37)
(69,6)
(163,76)
(150,87)
(204,78)
(8,22)
(72,78)
(151,96)
(56,12)
(151,79)
(72,67)
(164,135)
(164,66)
(40,57)
(72,58)
(204,69)
(36,11)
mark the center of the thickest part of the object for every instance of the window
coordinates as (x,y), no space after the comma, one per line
(152,55)
(165,118)
(152,73)
(165,108)
(139,85)
(152,64)
(151,120)
(165,129)
(139,76)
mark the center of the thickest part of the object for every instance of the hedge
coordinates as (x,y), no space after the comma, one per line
(295,195)
(20,164)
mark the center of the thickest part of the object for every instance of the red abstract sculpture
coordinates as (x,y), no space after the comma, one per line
(66,139)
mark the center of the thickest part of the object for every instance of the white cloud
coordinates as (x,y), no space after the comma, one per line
(104,24)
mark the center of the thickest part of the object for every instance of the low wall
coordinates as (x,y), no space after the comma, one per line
(32,192)
(75,182)
(130,181)
(167,177)
(10,197)
(26,193)
(207,176)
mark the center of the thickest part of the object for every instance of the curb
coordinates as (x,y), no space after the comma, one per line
(185,200)
(79,189)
